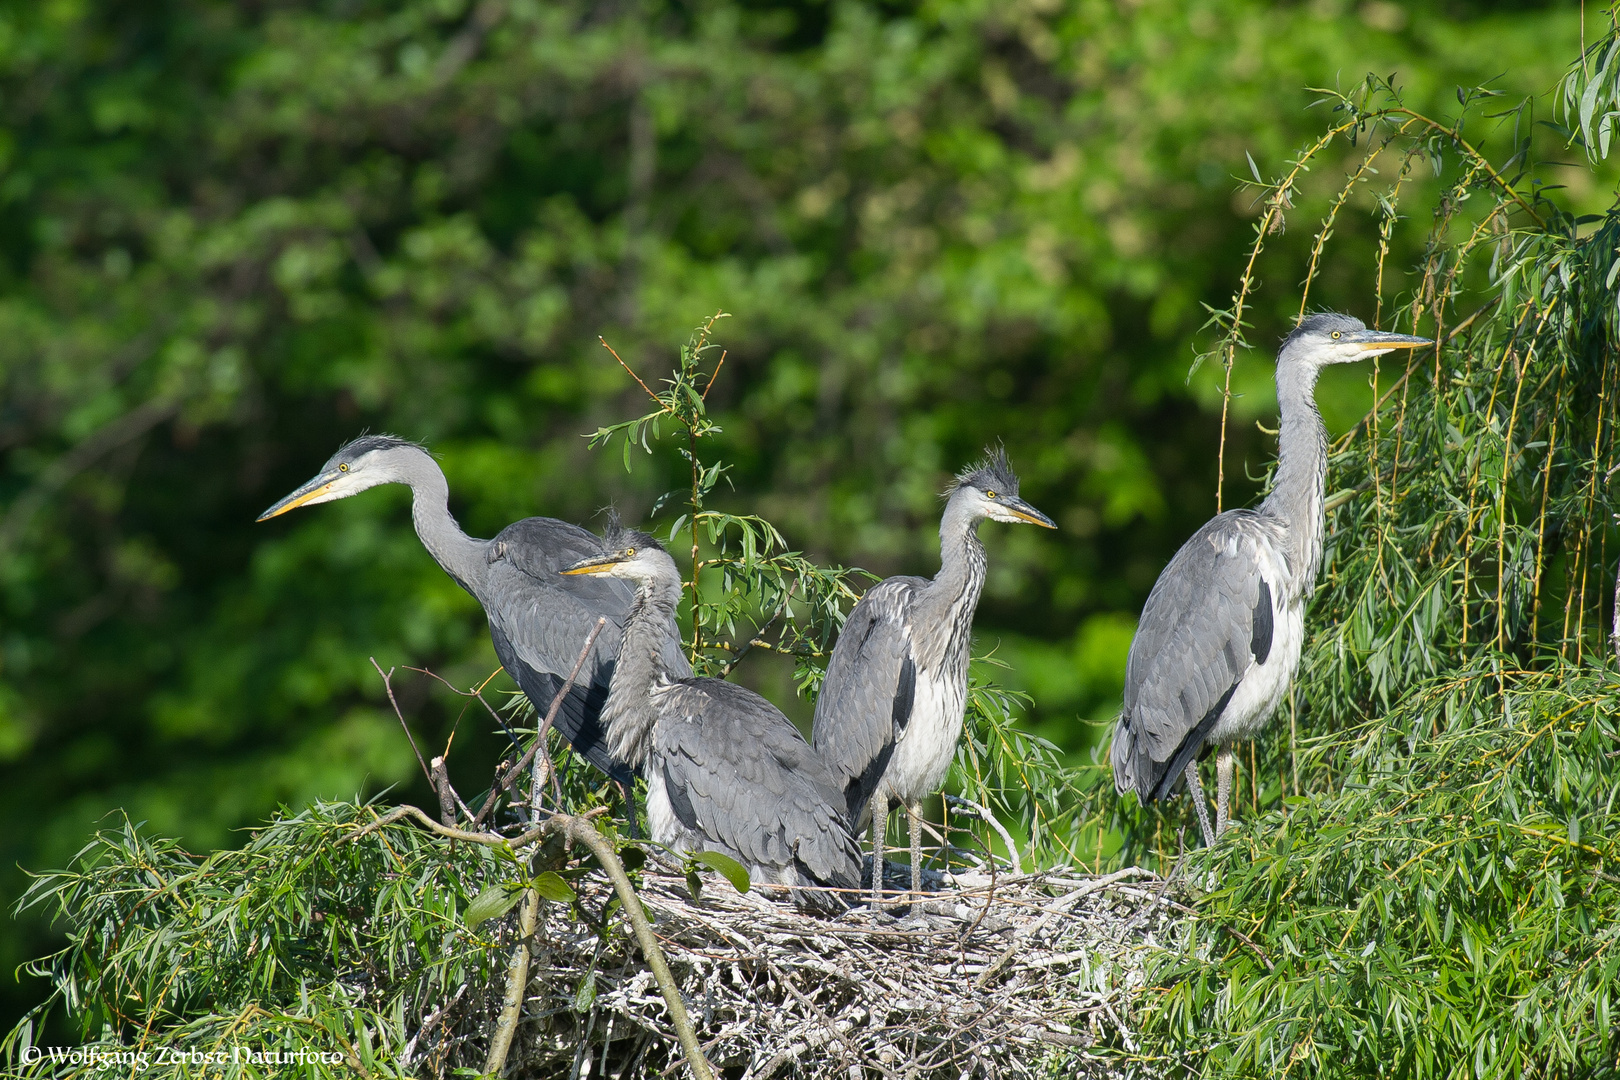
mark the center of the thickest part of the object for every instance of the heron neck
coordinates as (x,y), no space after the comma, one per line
(943,629)
(1297,489)
(462,557)
(628,714)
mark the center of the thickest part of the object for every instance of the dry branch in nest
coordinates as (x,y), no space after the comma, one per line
(1019,977)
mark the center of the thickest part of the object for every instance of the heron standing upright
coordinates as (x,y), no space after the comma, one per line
(891,706)
(538,620)
(1220,636)
(725,769)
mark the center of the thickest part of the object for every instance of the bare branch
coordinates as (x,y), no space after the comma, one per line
(388,684)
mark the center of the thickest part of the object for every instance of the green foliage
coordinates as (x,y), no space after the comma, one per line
(1443,912)
(1430,898)
(750,573)
(296,942)
(723,864)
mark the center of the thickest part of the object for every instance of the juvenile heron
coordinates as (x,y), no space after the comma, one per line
(1220,636)
(891,706)
(538,620)
(725,770)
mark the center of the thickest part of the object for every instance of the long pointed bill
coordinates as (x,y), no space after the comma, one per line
(310,492)
(1379,341)
(591,566)
(1025,512)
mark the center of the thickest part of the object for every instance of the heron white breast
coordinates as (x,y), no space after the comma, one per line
(662,825)
(923,754)
(1264,685)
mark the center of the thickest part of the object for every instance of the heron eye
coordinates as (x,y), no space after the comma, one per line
(1335,335)
(343,468)
(990,494)
(629,553)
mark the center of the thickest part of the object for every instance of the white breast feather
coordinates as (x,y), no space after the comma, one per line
(1263,686)
(923,755)
(662,825)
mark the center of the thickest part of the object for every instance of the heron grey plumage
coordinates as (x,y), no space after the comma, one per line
(538,620)
(1220,636)
(725,770)
(892,703)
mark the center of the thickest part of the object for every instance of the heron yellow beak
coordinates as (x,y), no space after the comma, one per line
(312,490)
(591,566)
(1036,518)
(1021,510)
(1378,341)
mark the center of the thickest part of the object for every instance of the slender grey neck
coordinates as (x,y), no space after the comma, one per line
(1296,493)
(628,714)
(943,627)
(462,557)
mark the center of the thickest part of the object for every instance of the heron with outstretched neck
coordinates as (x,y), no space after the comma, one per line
(1219,639)
(538,619)
(725,770)
(891,707)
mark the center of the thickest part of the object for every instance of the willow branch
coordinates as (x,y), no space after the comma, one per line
(517,978)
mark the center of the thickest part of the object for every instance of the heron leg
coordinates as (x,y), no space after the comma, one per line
(1224,763)
(1196,790)
(914,813)
(880,825)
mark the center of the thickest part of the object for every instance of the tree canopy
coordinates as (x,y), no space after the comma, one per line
(237,234)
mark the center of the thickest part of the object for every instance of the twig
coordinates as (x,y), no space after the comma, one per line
(990,819)
(759,637)
(556,704)
(551,714)
(1064,902)
(476,692)
(661,406)
(989,898)
(389,686)
(715,375)
(447,794)
(428,1023)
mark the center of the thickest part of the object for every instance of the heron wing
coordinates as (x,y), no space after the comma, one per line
(1206,621)
(539,620)
(739,773)
(867,697)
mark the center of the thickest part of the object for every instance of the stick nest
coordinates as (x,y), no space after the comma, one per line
(1024,976)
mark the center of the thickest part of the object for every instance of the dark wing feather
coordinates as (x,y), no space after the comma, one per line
(539,620)
(750,783)
(867,696)
(1197,636)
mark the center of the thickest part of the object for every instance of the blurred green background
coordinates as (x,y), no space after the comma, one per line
(235,234)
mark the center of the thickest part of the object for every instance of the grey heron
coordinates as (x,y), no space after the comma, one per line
(891,706)
(725,770)
(538,620)
(1220,635)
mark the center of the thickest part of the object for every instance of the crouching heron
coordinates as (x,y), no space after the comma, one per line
(1220,636)
(725,770)
(891,706)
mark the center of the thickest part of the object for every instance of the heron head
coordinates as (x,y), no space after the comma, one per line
(990,488)
(630,553)
(364,463)
(1325,339)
